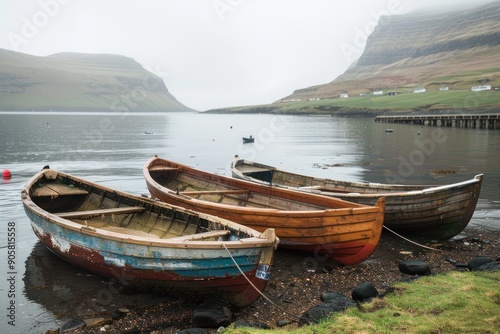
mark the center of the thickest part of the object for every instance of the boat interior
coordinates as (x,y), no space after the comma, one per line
(98,208)
(218,192)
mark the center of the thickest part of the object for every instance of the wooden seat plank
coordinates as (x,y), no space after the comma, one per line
(254,169)
(210,192)
(129,231)
(56,189)
(90,213)
(162,168)
(201,236)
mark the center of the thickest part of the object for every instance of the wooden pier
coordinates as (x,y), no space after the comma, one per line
(471,121)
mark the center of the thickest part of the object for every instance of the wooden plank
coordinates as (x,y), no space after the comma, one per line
(129,231)
(210,192)
(90,213)
(201,236)
(245,169)
(56,189)
(162,168)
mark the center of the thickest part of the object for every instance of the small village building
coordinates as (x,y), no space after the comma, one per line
(480,88)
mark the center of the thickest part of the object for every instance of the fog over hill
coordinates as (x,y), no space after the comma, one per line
(456,49)
(80,82)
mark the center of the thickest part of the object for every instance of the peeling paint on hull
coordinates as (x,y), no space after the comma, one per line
(193,272)
(181,264)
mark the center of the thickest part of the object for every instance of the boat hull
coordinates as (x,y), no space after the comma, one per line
(206,267)
(435,212)
(347,232)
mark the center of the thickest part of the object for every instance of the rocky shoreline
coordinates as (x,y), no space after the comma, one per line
(298,281)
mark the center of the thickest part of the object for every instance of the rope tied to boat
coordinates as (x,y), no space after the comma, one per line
(256,289)
(415,243)
(428,247)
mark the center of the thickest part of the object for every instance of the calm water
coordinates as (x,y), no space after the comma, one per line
(112,148)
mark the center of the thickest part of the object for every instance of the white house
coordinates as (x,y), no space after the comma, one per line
(344,96)
(419,90)
(378,92)
(480,88)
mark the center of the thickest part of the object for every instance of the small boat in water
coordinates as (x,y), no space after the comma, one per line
(348,232)
(147,244)
(435,212)
(247,140)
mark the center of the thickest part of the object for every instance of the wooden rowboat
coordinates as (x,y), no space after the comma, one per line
(435,212)
(147,244)
(347,232)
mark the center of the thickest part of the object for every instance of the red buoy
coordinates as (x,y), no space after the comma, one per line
(6,174)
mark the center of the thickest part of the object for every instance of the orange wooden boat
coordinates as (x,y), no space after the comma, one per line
(348,232)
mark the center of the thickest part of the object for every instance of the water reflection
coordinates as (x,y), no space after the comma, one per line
(70,292)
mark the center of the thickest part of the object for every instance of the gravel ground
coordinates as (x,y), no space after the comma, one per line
(298,280)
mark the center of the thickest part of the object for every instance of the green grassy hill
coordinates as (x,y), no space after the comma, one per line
(451,101)
(80,82)
(457,50)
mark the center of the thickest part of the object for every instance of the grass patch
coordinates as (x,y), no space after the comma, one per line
(431,101)
(456,302)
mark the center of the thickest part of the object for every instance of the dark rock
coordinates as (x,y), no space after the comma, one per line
(320,311)
(364,292)
(327,269)
(490,266)
(119,313)
(282,323)
(239,324)
(71,325)
(479,261)
(330,296)
(211,315)
(194,330)
(414,267)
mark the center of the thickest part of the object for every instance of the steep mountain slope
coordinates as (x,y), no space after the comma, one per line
(456,49)
(80,82)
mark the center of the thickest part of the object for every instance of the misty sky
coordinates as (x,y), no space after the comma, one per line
(210,53)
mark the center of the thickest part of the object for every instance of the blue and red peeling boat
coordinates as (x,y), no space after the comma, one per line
(143,243)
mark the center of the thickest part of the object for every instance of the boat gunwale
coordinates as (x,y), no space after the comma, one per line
(350,207)
(255,240)
(319,190)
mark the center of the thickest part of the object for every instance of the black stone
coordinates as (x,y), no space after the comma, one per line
(364,292)
(282,323)
(194,330)
(71,325)
(323,310)
(330,296)
(260,325)
(490,266)
(211,315)
(414,267)
(479,261)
